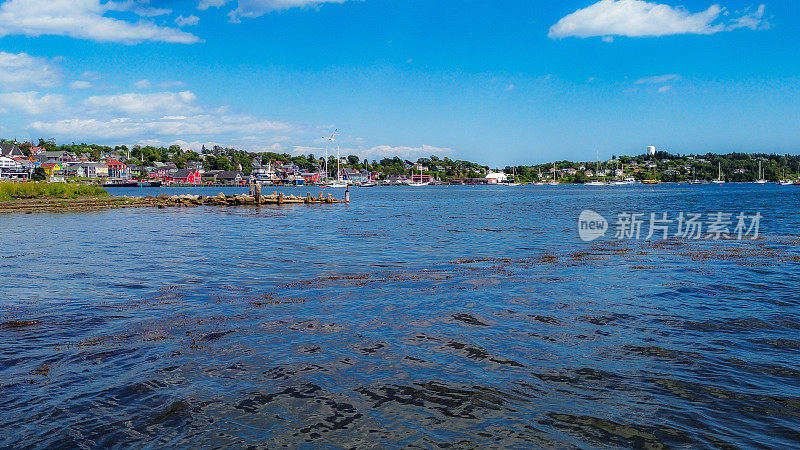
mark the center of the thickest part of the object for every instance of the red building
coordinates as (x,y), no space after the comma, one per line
(116,169)
(417,178)
(183,176)
(310,177)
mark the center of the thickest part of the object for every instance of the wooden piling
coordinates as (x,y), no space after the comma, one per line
(258,193)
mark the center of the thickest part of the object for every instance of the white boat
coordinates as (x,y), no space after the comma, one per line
(760,179)
(420,182)
(719,179)
(336,184)
(695,181)
(596,182)
(786,182)
(368,184)
(554,182)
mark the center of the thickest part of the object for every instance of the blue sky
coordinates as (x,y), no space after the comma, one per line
(501,82)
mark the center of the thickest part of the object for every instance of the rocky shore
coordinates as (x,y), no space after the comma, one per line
(162,201)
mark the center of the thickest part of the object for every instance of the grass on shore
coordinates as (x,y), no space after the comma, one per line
(12,191)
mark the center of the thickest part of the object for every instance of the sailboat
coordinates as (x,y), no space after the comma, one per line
(596,182)
(760,179)
(513,183)
(419,183)
(719,179)
(695,181)
(785,181)
(339,183)
(554,182)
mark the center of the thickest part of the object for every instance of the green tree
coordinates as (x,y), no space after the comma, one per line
(38,174)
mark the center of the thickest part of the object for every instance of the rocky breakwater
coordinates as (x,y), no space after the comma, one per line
(240,200)
(33,205)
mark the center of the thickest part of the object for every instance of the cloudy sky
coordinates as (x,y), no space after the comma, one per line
(498,81)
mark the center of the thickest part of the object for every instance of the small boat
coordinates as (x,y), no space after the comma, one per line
(786,182)
(368,184)
(760,179)
(596,182)
(651,181)
(336,184)
(126,183)
(554,182)
(695,182)
(719,179)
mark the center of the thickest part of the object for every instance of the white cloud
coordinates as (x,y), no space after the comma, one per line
(138,7)
(659,79)
(187,21)
(171,84)
(135,103)
(142,84)
(382,151)
(174,127)
(184,145)
(639,18)
(21,70)
(31,102)
(85,19)
(257,8)
(205,4)
(80,84)
(664,89)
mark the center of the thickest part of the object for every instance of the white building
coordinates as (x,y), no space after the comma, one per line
(9,163)
(496,177)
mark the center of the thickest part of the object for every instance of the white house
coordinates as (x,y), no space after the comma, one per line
(9,163)
(496,177)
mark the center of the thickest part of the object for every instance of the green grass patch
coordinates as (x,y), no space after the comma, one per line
(12,191)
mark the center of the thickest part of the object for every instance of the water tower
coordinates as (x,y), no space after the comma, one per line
(651,150)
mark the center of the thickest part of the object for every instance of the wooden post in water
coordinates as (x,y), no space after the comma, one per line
(347,194)
(258,193)
(252,188)
(280,198)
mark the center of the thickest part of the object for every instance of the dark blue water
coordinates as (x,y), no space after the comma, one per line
(439,316)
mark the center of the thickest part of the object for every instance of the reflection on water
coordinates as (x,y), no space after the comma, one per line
(452,316)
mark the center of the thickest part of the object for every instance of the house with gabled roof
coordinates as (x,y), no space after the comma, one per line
(11,150)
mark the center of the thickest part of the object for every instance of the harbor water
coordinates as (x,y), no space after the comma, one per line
(436,316)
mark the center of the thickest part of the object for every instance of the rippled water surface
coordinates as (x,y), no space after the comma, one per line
(439,316)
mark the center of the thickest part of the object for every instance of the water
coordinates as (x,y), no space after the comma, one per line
(440,316)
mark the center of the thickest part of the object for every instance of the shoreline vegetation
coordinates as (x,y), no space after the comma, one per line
(662,165)
(62,197)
